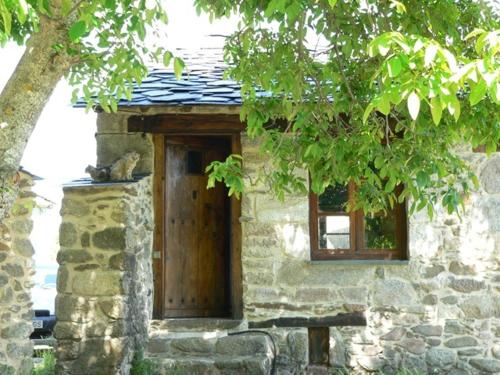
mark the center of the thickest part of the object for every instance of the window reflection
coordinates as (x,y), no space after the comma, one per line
(334,199)
(334,232)
(380,232)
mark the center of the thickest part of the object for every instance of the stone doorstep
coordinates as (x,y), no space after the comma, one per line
(166,335)
(201,325)
(255,365)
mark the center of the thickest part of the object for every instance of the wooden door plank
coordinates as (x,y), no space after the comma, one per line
(158,238)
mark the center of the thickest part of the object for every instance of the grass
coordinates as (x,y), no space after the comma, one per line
(141,365)
(48,365)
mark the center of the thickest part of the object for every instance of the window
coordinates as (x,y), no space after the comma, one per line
(337,234)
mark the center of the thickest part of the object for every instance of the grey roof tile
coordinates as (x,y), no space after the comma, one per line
(202,83)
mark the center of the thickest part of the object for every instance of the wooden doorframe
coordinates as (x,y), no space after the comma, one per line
(159,194)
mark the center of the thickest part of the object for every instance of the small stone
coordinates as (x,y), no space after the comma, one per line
(490,175)
(85,240)
(371,363)
(449,300)
(461,269)
(110,239)
(413,345)
(438,358)
(4,247)
(20,330)
(430,299)
(466,285)
(433,271)
(86,267)
(480,307)
(428,330)
(14,270)
(6,295)
(67,330)
(488,365)
(62,279)
(92,283)
(7,370)
(460,342)
(469,352)
(394,335)
(74,208)
(4,280)
(22,226)
(113,308)
(67,235)
(23,247)
(73,256)
(495,350)
(122,261)
(393,292)
(432,341)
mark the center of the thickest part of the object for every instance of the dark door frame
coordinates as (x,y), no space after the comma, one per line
(194,125)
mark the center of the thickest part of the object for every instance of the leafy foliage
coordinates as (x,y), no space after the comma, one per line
(379,93)
(48,365)
(141,365)
(105,38)
(375,92)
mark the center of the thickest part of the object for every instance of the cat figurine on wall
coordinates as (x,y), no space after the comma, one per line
(120,170)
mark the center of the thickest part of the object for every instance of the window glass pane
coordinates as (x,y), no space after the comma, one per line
(194,162)
(334,199)
(380,232)
(334,232)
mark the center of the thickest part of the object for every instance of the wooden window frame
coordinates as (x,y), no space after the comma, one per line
(357,251)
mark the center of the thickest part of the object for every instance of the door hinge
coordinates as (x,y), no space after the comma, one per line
(156,255)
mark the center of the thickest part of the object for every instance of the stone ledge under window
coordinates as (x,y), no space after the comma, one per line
(361,262)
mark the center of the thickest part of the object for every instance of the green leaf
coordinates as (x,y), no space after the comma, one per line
(178,67)
(454,107)
(478,92)
(384,105)
(389,186)
(474,33)
(394,67)
(413,105)
(6,16)
(167,57)
(78,30)
(430,54)
(422,179)
(368,110)
(436,110)
(332,3)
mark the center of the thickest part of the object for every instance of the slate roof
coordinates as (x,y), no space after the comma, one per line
(202,83)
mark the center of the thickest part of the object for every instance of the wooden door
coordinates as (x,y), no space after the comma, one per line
(196,250)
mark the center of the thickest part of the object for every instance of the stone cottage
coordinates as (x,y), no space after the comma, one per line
(206,284)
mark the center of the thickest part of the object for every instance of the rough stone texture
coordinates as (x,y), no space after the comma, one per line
(16,269)
(436,314)
(416,312)
(104,300)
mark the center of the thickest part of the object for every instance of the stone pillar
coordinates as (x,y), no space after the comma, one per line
(105,282)
(16,269)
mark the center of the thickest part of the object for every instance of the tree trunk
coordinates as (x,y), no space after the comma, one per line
(24,97)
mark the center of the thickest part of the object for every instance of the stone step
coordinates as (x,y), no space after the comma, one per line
(246,353)
(217,365)
(183,325)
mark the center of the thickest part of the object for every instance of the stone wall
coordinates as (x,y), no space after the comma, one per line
(437,313)
(16,270)
(105,281)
